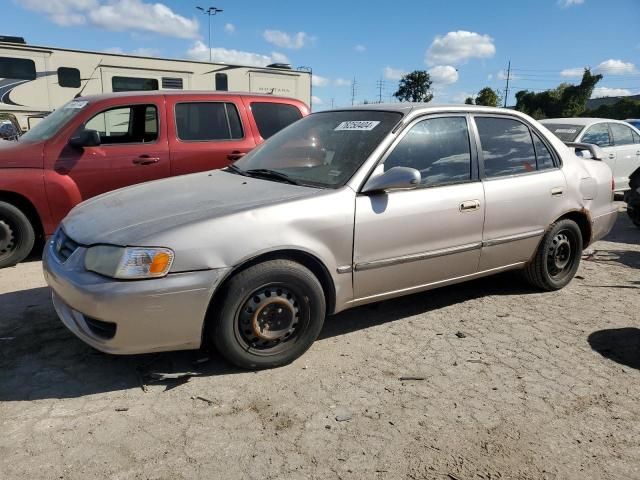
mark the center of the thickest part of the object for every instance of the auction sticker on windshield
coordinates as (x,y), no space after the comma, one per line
(363,125)
(76,104)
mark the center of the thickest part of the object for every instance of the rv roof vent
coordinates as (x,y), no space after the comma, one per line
(9,39)
(285,66)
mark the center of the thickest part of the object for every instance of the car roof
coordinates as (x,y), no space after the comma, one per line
(406,107)
(172,93)
(579,121)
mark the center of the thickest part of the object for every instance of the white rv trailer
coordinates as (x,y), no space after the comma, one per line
(36,80)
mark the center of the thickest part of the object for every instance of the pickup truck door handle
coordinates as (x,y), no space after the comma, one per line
(470,205)
(145,160)
(236,155)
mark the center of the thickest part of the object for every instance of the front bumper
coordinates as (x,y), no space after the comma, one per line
(149,315)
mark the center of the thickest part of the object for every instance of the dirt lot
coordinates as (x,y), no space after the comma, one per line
(534,386)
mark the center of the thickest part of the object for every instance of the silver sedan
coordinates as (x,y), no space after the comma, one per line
(340,209)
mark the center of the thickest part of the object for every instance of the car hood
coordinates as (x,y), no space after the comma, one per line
(134,215)
(21,154)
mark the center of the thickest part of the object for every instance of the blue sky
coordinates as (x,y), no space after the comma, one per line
(465,44)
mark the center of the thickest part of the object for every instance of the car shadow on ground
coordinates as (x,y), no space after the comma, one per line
(624,231)
(622,345)
(40,358)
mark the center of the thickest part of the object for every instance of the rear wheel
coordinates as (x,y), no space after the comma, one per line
(557,258)
(16,235)
(271,313)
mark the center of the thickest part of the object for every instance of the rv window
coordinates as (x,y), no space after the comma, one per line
(131,84)
(17,68)
(173,83)
(273,117)
(130,124)
(222,82)
(208,121)
(69,77)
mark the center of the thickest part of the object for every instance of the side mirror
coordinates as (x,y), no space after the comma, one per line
(396,177)
(85,138)
(587,150)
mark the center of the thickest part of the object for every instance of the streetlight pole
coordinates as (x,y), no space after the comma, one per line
(210,12)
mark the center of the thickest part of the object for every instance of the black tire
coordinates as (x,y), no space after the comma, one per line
(558,257)
(270,315)
(17,235)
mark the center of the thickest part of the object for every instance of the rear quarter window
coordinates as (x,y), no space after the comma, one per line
(273,117)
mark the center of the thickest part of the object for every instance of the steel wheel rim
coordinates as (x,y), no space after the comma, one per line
(8,243)
(561,254)
(270,319)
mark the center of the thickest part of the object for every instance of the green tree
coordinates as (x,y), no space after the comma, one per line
(487,97)
(621,110)
(415,87)
(468,101)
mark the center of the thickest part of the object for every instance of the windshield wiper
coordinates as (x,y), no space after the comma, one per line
(233,169)
(271,174)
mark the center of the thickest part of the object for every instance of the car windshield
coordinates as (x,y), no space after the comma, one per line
(564,131)
(53,122)
(324,149)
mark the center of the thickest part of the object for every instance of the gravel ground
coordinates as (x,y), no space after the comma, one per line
(509,383)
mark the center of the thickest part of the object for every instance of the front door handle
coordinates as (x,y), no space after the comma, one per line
(612,156)
(470,205)
(145,160)
(237,155)
(557,192)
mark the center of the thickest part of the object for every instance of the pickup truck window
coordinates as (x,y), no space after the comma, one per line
(207,121)
(273,117)
(130,124)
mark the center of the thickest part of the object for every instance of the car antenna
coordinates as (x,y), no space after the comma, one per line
(79,94)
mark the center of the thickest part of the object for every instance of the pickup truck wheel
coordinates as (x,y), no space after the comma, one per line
(16,235)
(271,313)
(558,257)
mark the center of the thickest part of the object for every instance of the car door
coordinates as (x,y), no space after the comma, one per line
(206,134)
(627,152)
(524,189)
(600,135)
(407,240)
(133,149)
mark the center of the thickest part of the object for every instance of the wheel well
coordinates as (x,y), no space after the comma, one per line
(582,219)
(26,207)
(303,258)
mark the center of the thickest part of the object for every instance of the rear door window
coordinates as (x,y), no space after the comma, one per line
(507,148)
(622,135)
(208,121)
(597,134)
(273,117)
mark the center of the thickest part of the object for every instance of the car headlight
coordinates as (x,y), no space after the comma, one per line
(128,263)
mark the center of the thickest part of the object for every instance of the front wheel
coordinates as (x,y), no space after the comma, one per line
(271,314)
(558,257)
(16,235)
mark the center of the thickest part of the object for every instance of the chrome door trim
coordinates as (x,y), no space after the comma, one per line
(415,257)
(512,238)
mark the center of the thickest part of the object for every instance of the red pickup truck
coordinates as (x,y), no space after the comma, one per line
(96,144)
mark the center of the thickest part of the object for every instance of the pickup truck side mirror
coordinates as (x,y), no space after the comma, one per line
(395,177)
(587,150)
(85,138)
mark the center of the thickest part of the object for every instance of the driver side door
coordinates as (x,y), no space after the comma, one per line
(411,240)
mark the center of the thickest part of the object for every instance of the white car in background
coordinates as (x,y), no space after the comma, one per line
(619,141)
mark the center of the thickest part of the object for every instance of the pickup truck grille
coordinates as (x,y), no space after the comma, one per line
(63,246)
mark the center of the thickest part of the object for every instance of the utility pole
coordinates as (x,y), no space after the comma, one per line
(380,85)
(353,91)
(506,90)
(332,102)
(211,11)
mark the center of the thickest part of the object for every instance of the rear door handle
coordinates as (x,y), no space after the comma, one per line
(236,155)
(612,156)
(145,160)
(470,205)
(557,192)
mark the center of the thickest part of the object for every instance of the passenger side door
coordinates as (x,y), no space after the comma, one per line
(627,151)
(524,189)
(207,135)
(600,135)
(407,240)
(133,149)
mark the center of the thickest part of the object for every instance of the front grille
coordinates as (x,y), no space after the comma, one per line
(63,246)
(106,330)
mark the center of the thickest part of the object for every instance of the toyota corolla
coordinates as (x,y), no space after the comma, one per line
(340,209)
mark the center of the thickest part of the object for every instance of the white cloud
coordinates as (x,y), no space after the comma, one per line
(285,40)
(199,51)
(600,92)
(318,81)
(229,28)
(393,73)
(360,48)
(316,100)
(341,82)
(117,15)
(569,3)
(615,67)
(444,74)
(458,47)
(141,52)
(572,72)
